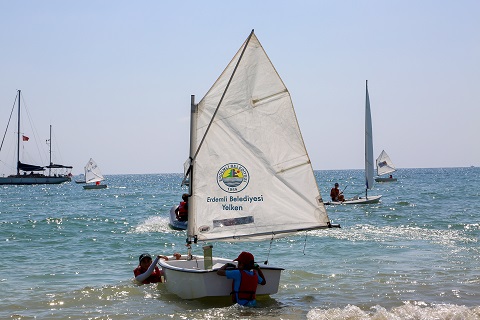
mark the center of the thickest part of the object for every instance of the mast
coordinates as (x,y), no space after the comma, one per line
(193,137)
(193,130)
(18,135)
(50,151)
(367,106)
(194,148)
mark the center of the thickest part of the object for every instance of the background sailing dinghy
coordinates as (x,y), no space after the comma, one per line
(250,177)
(369,168)
(29,174)
(174,223)
(384,166)
(81,179)
(93,176)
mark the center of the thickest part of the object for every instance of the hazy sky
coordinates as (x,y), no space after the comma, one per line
(114,78)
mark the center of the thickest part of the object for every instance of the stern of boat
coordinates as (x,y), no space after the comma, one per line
(188,279)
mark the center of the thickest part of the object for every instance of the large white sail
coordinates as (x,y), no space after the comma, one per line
(384,164)
(369,166)
(92,172)
(251,177)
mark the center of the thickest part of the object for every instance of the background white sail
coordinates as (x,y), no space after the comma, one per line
(255,132)
(369,166)
(384,164)
(92,172)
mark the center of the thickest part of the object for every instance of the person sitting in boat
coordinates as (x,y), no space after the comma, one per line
(182,210)
(336,194)
(245,279)
(147,271)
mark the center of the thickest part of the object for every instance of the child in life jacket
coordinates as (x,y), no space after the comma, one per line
(245,279)
(147,270)
(181,211)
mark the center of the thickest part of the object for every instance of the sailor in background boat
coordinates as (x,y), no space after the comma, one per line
(336,194)
(147,271)
(182,210)
(245,279)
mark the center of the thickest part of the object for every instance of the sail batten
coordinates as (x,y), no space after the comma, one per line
(273,96)
(252,176)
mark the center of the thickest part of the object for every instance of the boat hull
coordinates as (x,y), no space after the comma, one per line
(385,179)
(174,223)
(95,186)
(188,279)
(360,200)
(30,180)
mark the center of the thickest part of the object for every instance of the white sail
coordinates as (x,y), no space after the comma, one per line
(369,166)
(92,172)
(251,177)
(384,164)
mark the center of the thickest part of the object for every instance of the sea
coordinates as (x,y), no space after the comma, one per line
(69,253)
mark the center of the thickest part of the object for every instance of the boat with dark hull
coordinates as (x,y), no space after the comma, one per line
(29,174)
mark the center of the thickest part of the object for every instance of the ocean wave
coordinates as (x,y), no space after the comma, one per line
(410,310)
(364,232)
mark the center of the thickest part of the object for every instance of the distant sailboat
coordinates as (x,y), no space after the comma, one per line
(28,174)
(93,175)
(81,179)
(369,166)
(384,166)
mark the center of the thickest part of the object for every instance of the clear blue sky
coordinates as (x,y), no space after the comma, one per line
(114,78)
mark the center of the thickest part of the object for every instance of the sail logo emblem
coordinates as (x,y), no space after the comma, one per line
(233,177)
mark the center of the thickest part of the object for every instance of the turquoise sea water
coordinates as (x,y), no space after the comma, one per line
(68,253)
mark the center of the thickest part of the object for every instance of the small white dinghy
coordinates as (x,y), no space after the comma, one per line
(197,277)
(93,176)
(174,223)
(356,200)
(384,166)
(242,186)
(369,167)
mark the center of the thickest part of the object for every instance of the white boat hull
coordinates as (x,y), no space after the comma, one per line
(360,200)
(188,279)
(19,180)
(378,179)
(174,223)
(94,186)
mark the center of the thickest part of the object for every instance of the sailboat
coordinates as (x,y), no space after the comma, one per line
(384,166)
(81,179)
(174,223)
(250,177)
(93,175)
(369,167)
(29,174)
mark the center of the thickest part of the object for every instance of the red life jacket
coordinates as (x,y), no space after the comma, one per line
(248,286)
(183,210)
(155,277)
